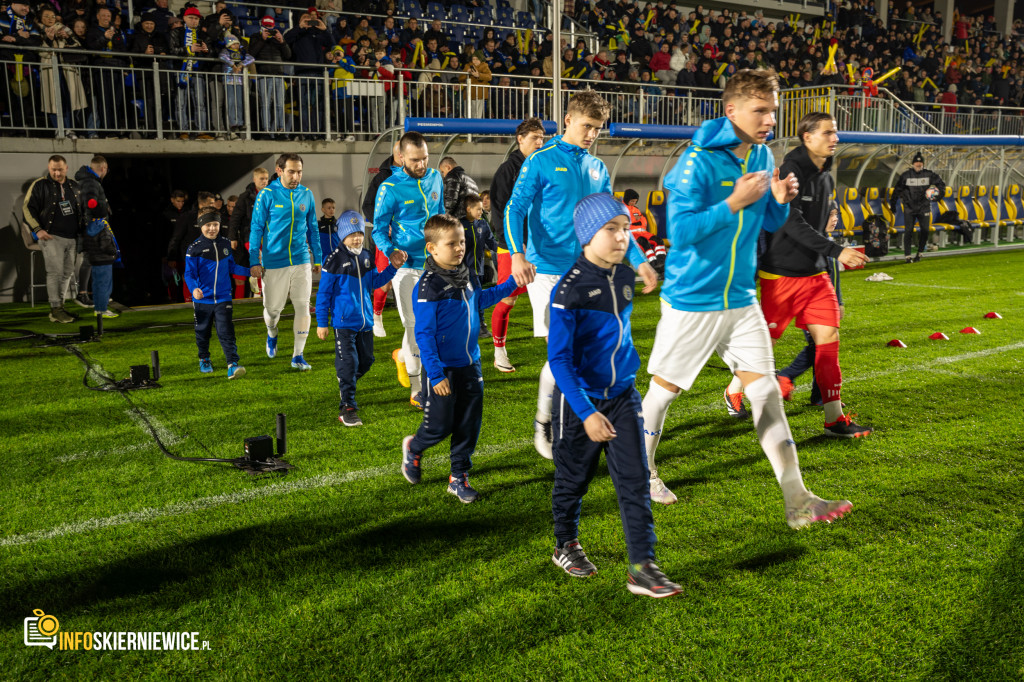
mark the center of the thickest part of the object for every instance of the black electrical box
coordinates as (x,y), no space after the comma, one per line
(138,374)
(259,448)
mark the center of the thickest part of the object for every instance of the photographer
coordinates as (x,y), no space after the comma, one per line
(310,42)
(269,49)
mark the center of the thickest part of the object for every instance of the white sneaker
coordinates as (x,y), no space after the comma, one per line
(810,508)
(501,361)
(542,438)
(659,493)
(378,326)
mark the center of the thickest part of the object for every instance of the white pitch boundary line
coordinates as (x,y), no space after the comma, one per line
(315,482)
(166,436)
(927,286)
(273,490)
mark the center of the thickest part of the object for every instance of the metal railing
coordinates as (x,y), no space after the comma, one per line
(166,97)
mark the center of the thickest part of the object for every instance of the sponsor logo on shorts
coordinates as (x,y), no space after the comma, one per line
(772,325)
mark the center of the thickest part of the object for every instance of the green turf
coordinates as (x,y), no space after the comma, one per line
(341,569)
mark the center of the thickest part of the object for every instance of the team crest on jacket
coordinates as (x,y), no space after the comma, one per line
(366,262)
(627,292)
(302,207)
(225,251)
(594,174)
(433,196)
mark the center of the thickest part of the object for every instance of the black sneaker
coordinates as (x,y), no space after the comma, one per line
(909,260)
(734,405)
(573,560)
(844,427)
(649,581)
(917,258)
(60,315)
(349,416)
(84,300)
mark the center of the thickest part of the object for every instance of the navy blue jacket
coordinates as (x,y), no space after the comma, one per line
(478,240)
(590,342)
(448,321)
(209,266)
(343,298)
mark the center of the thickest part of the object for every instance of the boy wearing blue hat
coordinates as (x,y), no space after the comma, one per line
(596,407)
(344,302)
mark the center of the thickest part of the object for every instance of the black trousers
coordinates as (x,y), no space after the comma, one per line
(922,219)
(207,315)
(353,357)
(458,414)
(576,459)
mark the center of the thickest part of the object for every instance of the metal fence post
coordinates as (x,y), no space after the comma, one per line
(158,102)
(401,99)
(530,103)
(58,100)
(246,104)
(327,105)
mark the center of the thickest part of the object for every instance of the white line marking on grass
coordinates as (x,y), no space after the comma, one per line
(166,436)
(926,286)
(977,354)
(273,490)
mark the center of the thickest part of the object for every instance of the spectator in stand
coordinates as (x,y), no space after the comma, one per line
(435,33)
(236,60)
(661,65)
(363,29)
(238,228)
(190,41)
(410,35)
(53,212)
(147,42)
(269,49)
(457,186)
(310,42)
(381,69)
(161,17)
(67,78)
(108,83)
(479,75)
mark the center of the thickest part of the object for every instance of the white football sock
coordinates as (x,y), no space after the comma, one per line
(655,407)
(544,393)
(300,328)
(833,411)
(735,386)
(774,434)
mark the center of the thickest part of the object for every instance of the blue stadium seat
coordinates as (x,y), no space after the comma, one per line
(457,33)
(503,33)
(875,205)
(435,10)
(413,10)
(506,17)
(482,15)
(971,210)
(1016,204)
(525,20)
(851,212)
(657,214)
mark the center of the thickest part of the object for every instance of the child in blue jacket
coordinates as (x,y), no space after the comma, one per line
(596,406)
(344,302)
(447,309)
(208,269)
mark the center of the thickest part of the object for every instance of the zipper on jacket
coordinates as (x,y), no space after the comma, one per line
(362,310)
(469,325)
(736,237)
(618,345)
(216,269)
(291,228)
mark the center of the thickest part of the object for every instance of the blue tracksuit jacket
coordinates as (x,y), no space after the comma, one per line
(590,339)
(551,182)
(404,204)
(328,236)
(209,266)
(448,321)
(284,225)
(343,299)
(712,264)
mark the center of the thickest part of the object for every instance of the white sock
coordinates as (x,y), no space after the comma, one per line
(544,393)
(378,319)
(735,386)
(655,407)
(300,328)
(773,432)
(410,353)
(833,411)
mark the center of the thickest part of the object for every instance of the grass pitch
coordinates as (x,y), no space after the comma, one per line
(341,569)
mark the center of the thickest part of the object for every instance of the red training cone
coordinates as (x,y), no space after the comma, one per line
(993,316)
(969,330)
(897,343)
(939,336)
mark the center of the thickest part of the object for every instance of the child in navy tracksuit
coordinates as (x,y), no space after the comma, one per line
(447,308)
(596,406)
(208,269)
(344,302)
(478,234)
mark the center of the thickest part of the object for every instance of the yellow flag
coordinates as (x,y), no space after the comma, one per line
(650,17)
(920,34)
(929,81)
(721,70)
(817,35)
(693,29)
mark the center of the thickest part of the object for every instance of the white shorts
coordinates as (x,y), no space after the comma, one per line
(405,281)
(685,341)
(540,300)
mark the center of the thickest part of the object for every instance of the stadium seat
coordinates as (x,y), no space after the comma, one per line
(942,229)
(459,13)
(525,20)
(874,205)
(413,10)
(1016,205)
(971,211)
(505,17)
(435,10)
(1006,222)
(482,15)
(851,212)
(657,214)
(457,32)
(986,198)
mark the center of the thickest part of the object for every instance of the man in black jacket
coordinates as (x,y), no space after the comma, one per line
(917,188)
(310,41)
(269,49)
(108,82)
(793,270)
(187,41)
(380,296)
(53,212)
(457,185)
(94,207)
(146,41)
(530,138)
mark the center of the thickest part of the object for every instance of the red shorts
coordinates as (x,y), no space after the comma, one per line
(811,300)
(381,261)
(505,271)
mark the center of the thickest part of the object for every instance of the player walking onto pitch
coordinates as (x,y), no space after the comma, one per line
(529,138)
(551,182)
(282,234)
(794,278)
(916,188)
(723,191)
(405,202)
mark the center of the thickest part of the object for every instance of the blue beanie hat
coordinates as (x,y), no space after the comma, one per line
(349,222)
(594,212)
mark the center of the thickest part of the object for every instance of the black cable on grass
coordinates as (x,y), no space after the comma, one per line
(124,386)
(28,334)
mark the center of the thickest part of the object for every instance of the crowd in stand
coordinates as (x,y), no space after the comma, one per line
(656,49)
